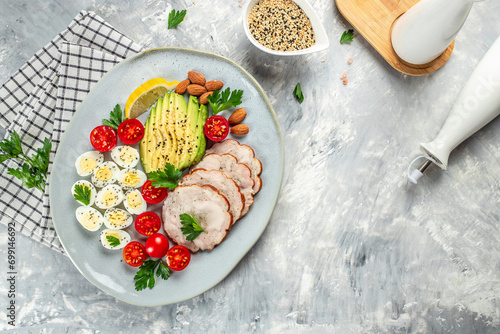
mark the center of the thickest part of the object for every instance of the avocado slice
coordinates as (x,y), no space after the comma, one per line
(190,141)
(153,138)
(169,123)
(162,126)
(143,147)
(161,151)
(180,117)
(200,135)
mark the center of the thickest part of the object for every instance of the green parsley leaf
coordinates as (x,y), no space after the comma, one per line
(12,147)
(221,101)
(347,36)
(113,241)
(145,277)
(175,17)
(4,157)
(33,172)
(190,226)
(30,177)
(163,271)
(297,92)
(167,178)
(82,194)
(115,118)
(40,160)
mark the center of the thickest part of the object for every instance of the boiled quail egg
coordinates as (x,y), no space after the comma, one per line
(131,178)
(87,162)
(134,203)
(114,239)
(105,174)
(89,218)
(109,196)
(81,194)
(125,156)
(117,219)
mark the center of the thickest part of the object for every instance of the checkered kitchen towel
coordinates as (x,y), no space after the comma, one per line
(39,100)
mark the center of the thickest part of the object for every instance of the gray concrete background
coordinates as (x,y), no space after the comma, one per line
(350,247)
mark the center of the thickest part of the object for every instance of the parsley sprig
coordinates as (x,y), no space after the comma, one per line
(167,178)
(115,118)
(33,172)
(145,277)
(297,92)
(220,101)
(113,241)
(347,36)
(82,194)
(190,226)
(175,17)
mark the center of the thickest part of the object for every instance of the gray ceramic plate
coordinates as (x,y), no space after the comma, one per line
(105,268)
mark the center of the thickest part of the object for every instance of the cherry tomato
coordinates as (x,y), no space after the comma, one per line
(178,257)
(152,194)
(134,253)
(216,128)
(103,138)
(130,131)
(157,245)
(147,223)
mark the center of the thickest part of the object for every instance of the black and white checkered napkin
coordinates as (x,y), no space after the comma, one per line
(39,100)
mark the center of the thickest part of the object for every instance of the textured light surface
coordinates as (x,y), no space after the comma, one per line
(350,247)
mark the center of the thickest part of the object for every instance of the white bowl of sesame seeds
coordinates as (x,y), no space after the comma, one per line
(284,27)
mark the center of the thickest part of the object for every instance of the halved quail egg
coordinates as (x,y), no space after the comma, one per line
(134,203)
(105,174)
(109,196)
(125,156)
(84,192)
(89,218)
(114,239)
(117,219)
(131,178)
(87,162)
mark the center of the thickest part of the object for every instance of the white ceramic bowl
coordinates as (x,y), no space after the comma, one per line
(319,31)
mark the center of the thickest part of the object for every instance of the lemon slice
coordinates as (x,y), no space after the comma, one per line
(146,95)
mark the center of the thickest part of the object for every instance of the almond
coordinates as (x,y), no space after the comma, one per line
(203,98)
(213,85)
(240,129)
(196,90)
(237,116)
(196,78)
(182,86)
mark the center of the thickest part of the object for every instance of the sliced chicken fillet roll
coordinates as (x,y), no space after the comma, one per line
(207,206)
(240,173)
(226,186)
(244,154)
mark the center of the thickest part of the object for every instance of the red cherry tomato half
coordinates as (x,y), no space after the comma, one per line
(216,128)
(147,223)
(103,138)
(178,257)
(130,131)
(157,245)
(134,253)
(152,194)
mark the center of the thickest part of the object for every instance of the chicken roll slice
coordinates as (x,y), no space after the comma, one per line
(207,206)
(226,186)
(240,173)
(244,154)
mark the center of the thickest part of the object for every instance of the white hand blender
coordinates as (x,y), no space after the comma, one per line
(477,104)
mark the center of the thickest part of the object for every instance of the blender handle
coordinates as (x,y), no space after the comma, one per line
(476,105)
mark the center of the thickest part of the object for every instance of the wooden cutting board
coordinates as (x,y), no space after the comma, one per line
(374,19)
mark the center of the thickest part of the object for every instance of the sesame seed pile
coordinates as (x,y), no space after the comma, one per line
(281,25)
